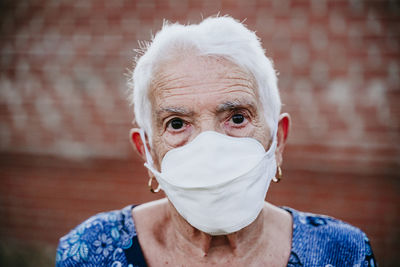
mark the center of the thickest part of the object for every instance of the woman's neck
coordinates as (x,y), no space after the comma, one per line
(238,243)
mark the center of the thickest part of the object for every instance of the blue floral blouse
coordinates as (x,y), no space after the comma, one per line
(110,239)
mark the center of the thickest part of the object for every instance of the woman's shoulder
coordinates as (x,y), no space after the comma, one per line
(99,241)
(318,224)
(323,240)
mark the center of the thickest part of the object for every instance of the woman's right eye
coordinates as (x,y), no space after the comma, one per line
(176,124)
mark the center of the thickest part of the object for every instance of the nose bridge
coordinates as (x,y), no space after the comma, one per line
(209,122)
(206,118)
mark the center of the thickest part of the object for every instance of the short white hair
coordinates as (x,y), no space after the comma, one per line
(223,37)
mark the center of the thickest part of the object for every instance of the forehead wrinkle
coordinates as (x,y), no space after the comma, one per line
(163,83)
(167,89)
(167,79)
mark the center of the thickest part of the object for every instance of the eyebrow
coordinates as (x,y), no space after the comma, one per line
(232,105)
(174,110)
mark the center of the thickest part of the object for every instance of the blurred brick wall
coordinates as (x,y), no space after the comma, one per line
(64,150)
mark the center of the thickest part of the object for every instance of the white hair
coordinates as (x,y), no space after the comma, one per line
(223,37)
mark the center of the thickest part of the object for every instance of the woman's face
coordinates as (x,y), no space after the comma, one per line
(193,94)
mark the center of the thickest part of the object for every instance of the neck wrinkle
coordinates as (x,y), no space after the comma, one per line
(240,243)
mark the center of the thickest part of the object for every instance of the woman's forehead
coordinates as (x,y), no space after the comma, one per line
(191,77)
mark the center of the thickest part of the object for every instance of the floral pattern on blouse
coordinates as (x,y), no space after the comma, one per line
(99,241)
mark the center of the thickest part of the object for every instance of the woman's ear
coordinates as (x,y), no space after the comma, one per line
(282,135)
(138,146)
(137,143)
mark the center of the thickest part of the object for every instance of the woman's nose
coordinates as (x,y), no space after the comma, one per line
(208,124)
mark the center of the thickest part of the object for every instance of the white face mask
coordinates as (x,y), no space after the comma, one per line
(217,183)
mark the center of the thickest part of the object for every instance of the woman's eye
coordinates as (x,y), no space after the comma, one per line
(238,118)
(176,123)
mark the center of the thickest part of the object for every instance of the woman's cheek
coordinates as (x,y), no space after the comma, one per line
(176,139)
(235,131)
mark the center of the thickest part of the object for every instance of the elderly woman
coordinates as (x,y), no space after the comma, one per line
(212,136)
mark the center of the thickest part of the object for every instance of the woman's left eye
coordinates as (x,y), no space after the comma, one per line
(238,118)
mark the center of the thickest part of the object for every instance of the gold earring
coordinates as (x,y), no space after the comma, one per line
(150,184)
(278,178)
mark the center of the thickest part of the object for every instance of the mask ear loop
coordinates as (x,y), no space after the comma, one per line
(277,177)
(149,159)
(274,141)
(149,162)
